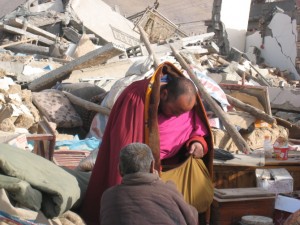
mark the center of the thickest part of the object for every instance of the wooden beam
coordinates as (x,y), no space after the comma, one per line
(257,113)
(17,42)
(86,104)
(93,58)
(148,45)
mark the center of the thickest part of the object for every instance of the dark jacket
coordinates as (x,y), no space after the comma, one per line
(142,198)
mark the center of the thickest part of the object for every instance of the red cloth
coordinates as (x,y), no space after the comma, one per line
(126,124)
(127,115)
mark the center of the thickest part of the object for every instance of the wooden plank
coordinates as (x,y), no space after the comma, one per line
(259,114)
(245,177)
(148,45)
(230,193)
(87,104)
(17,42)
(93,58)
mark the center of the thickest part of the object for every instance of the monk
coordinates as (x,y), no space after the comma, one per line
(166,113)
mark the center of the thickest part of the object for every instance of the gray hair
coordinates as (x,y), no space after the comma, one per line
(135,157)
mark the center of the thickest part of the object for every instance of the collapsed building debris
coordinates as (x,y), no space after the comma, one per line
(51,51)
(69,47)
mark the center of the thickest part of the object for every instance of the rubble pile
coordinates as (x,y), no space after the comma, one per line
(47,43)
(63,64)
(17,110)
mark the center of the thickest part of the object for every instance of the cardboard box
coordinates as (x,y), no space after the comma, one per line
(275,180)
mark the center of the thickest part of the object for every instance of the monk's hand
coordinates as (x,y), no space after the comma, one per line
(196,150)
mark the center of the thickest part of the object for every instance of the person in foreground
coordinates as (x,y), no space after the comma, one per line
(166,113)
(142,197)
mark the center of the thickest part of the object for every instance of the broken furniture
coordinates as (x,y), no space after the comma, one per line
(245,177)
(158,27)
(44,144)
(44,140)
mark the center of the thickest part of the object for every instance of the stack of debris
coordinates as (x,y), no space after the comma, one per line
(58,62)
(45,44)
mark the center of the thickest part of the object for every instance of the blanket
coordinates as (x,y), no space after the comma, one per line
(36,183)
(10,214)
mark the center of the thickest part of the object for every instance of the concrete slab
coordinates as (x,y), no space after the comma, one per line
(7,6)
(98,17)
(96,57)
(285,98)
(103,76)
(18,23)
(12,68)
(15,30)
(56,6)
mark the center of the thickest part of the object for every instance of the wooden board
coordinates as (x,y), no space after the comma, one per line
(244,176)
(243,160)
(231,193)
(230,211)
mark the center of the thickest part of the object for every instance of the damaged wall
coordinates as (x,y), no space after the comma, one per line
(8,6)
(235,15)
(279,45)
(189,15)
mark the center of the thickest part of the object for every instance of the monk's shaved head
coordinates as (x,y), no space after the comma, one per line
(178,86)
(177,96)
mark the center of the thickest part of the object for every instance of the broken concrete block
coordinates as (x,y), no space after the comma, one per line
(11,68)
(2,98)
(285,98)
(19,23)
(6,111)
(93,58)
(235,55)
(15,89)
(71,34)
(26,34)
(24,121)
(56,6)
(289,116)
(7,125)
(211,47)
(134,51)
(26,95)
(198,38)
(34,111)
(27,101)
(84,46)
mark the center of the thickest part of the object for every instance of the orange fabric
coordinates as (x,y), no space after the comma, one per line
(193,181)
